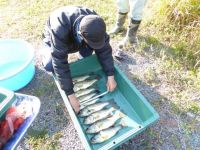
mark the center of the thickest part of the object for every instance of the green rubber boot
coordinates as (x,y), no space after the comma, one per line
(121,18)
(130,39)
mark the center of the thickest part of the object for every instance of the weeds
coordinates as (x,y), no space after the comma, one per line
(172,32)
(39,139)
(177,23)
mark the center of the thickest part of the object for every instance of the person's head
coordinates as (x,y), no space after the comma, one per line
(93,29)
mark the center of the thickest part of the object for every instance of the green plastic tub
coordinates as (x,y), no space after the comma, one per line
(140,114)
(7,97)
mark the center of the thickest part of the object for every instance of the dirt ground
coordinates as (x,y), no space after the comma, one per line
(53,128)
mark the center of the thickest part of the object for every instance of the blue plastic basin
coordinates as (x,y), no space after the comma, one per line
(16,63)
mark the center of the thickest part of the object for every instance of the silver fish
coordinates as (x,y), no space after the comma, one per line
(86,97)
(84,92)
(80,78)
(94,107)
(105,123)
(84,84)
(99,115)
(105,134)
(96,96)
(84,104)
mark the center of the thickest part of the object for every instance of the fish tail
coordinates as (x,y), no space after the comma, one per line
(97,91)
(94,75)
(113,109)
(120,113)
(81,107)
(113,104)
(91,73)
(122,123)
(97,77)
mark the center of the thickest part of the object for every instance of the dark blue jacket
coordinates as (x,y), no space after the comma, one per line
(60,34)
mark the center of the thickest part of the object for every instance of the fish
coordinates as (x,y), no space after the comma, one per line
(84,92)
(106,134)
(105,123)
(95,107)
(80,78)
(87,97)
(95,97)
(99,115)
(84,104)
(84,84)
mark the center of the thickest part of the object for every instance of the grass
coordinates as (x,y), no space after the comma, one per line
(177,26)
(182,83)
(175,141)
(169,34)
(45,87)
(26,19)
(39,139)
(194,108)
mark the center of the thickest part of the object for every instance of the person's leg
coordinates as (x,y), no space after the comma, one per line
(123,9)
(46,51)
(130,39)
(46,58)
(85,52)
(136,10)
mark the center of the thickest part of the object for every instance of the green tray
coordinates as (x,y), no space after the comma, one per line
(7,97)
(140,114)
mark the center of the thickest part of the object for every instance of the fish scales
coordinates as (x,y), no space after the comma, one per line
(94,107)
(84,92)
(80,78)
(105,123)
(84,84)
(84,104)
(98,115)
(106,134)
(86,97)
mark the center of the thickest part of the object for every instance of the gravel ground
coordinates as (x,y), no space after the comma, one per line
(167,133)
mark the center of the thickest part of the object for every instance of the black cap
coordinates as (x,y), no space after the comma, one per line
(93,29)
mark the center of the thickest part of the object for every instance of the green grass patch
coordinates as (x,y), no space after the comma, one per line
(176,108)
(176,24)
(39,139)
(175,141)
(194,107)
(45,87)
(26,19)
(152,40)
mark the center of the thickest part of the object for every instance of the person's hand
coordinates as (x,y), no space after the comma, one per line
(111,83)
(74,102)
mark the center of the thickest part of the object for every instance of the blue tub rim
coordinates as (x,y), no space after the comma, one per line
(29,60)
